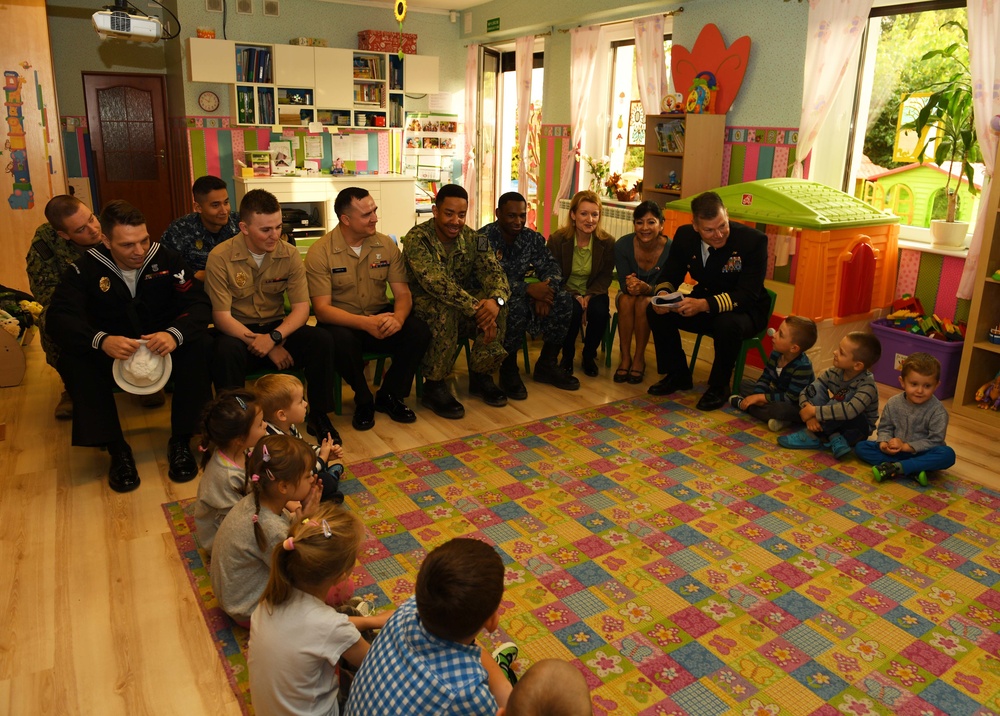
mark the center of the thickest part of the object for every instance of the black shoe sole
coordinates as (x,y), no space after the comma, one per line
(405,420)
(121,489)
(181,478)
(495,402)
(441,413)
(363,426)
(565,386)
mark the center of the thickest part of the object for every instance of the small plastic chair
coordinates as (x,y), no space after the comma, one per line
(756,342)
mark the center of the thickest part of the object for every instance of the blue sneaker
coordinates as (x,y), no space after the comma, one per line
(802,440)
(839,446)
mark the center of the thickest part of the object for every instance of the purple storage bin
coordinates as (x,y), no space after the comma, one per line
(896,345)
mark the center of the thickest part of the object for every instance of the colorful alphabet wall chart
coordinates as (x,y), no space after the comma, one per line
(22,197)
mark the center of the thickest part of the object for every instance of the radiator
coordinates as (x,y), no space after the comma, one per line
(616,220)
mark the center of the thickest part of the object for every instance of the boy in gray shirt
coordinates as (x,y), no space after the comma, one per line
(911,431)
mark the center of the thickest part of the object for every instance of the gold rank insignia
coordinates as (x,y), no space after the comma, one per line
(241,279)
(199,244)
(105,284)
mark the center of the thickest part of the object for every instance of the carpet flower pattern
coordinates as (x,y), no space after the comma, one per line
(686,564)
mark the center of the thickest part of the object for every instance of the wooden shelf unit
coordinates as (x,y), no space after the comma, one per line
(980,358)
(697,166)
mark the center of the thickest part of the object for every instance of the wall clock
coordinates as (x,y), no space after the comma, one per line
(208,101)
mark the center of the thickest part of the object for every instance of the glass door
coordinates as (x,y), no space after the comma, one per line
(486,151)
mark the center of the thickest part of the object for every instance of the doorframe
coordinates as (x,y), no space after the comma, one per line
(172,179)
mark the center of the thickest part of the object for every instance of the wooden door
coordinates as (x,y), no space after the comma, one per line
(128,133)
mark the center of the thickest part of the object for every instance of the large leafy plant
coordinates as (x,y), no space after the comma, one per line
(951,114)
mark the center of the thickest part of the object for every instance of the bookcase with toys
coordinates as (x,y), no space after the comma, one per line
(978,392)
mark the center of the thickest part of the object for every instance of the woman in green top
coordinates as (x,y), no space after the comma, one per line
(586,256)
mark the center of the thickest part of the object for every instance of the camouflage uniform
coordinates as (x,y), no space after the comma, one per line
(442,286)
(47,258)
(189,237)
(530,253)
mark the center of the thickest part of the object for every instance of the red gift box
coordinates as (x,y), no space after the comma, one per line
(383,41)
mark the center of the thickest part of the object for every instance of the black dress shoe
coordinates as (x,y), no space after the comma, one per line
(589,364)
(122,475)
(319,426)
(512,385)
(183,467)
(482,386)
(438,398)
(394,408)
(549,372)
(713,399)
(670,384)
(364,416)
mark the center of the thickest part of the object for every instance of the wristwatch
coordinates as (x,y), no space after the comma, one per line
(500,301)
(276,337)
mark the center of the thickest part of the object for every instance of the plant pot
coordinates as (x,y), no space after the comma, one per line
(949,234)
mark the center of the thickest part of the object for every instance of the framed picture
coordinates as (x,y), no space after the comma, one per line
(244,7)
(636,124)
(213,5)
(271,8)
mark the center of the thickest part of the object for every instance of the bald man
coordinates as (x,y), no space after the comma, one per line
(549,688)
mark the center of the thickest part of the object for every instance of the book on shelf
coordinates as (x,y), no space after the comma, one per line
(367,68)
(670,136)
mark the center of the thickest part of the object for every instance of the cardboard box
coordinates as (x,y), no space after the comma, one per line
(897,344)
(382,41)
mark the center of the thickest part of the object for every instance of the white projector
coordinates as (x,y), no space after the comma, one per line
(120,25)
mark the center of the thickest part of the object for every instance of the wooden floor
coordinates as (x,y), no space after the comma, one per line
(98,614)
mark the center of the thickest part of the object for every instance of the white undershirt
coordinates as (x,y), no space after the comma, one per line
(130,277)
(259,258)
(357,249)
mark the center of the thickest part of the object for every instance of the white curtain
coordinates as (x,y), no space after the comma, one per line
(584,42)
(650,62)
(834,35)
(524,48)
(469,175)
(984,58)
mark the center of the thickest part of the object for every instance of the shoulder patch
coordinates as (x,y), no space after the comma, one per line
(43,250)
(482,243)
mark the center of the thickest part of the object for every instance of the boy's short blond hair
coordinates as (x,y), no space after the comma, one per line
(922,363)
(802,331)
(275,391)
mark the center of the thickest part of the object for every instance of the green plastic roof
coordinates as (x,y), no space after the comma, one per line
(794,202)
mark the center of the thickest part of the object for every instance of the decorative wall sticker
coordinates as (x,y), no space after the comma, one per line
(22,196)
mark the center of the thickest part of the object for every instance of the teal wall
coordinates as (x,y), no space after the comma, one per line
(76,46)
(771,94)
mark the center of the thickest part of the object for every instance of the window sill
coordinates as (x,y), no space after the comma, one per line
(928,248)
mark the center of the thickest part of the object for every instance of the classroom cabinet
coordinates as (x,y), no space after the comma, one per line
(683,155)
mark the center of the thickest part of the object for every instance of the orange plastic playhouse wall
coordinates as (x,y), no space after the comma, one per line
(820,256)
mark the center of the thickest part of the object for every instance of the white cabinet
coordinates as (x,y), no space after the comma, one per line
(295,66)
(211,60)
(334,79)
(420,74)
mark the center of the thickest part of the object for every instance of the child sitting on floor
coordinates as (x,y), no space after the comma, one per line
(840,408)
(279,470)
(296,639)
(911,431)
(426,659)
(232,423)
(774,398)
(551,687)
(282,398)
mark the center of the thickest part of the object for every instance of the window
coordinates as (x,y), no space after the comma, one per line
(884,169)
(626,111)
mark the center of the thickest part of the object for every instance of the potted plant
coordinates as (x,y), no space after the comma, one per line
(950,111)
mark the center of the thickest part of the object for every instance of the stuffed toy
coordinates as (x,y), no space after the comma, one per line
(988,396)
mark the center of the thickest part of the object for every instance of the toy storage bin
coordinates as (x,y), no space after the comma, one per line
(896,345)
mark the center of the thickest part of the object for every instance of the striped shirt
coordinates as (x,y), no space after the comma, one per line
(785,386)
(838,399)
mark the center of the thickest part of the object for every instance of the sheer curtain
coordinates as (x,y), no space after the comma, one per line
(984,31)
(469,178)
(584,42)
(650,62)
(524,48)
(834,35)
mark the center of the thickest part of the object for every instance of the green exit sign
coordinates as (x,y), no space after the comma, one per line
(493,24)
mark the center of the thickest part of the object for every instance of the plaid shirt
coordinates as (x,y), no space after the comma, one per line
(410,671)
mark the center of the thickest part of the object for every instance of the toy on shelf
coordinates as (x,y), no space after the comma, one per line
(701,97)
(994,334)
(988,396)
(996,276)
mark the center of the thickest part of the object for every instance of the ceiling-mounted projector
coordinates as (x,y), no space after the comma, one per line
(121,25)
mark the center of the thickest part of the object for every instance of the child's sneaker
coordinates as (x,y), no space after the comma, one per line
(505,655)
(735,401)
(922,478)
(776,426)
(839,446)
(885,470)
(802,440)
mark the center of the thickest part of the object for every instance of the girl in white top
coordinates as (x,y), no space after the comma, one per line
(232,423)
(296,639)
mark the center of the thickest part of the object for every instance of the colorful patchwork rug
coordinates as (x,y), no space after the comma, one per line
(686,564)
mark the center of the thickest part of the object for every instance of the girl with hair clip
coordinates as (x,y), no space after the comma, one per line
(230,425)
(296,639)
(279,471)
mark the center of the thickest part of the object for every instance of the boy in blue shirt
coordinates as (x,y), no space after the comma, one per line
(774,398)
(840,408)
(426,660)
(910,439)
